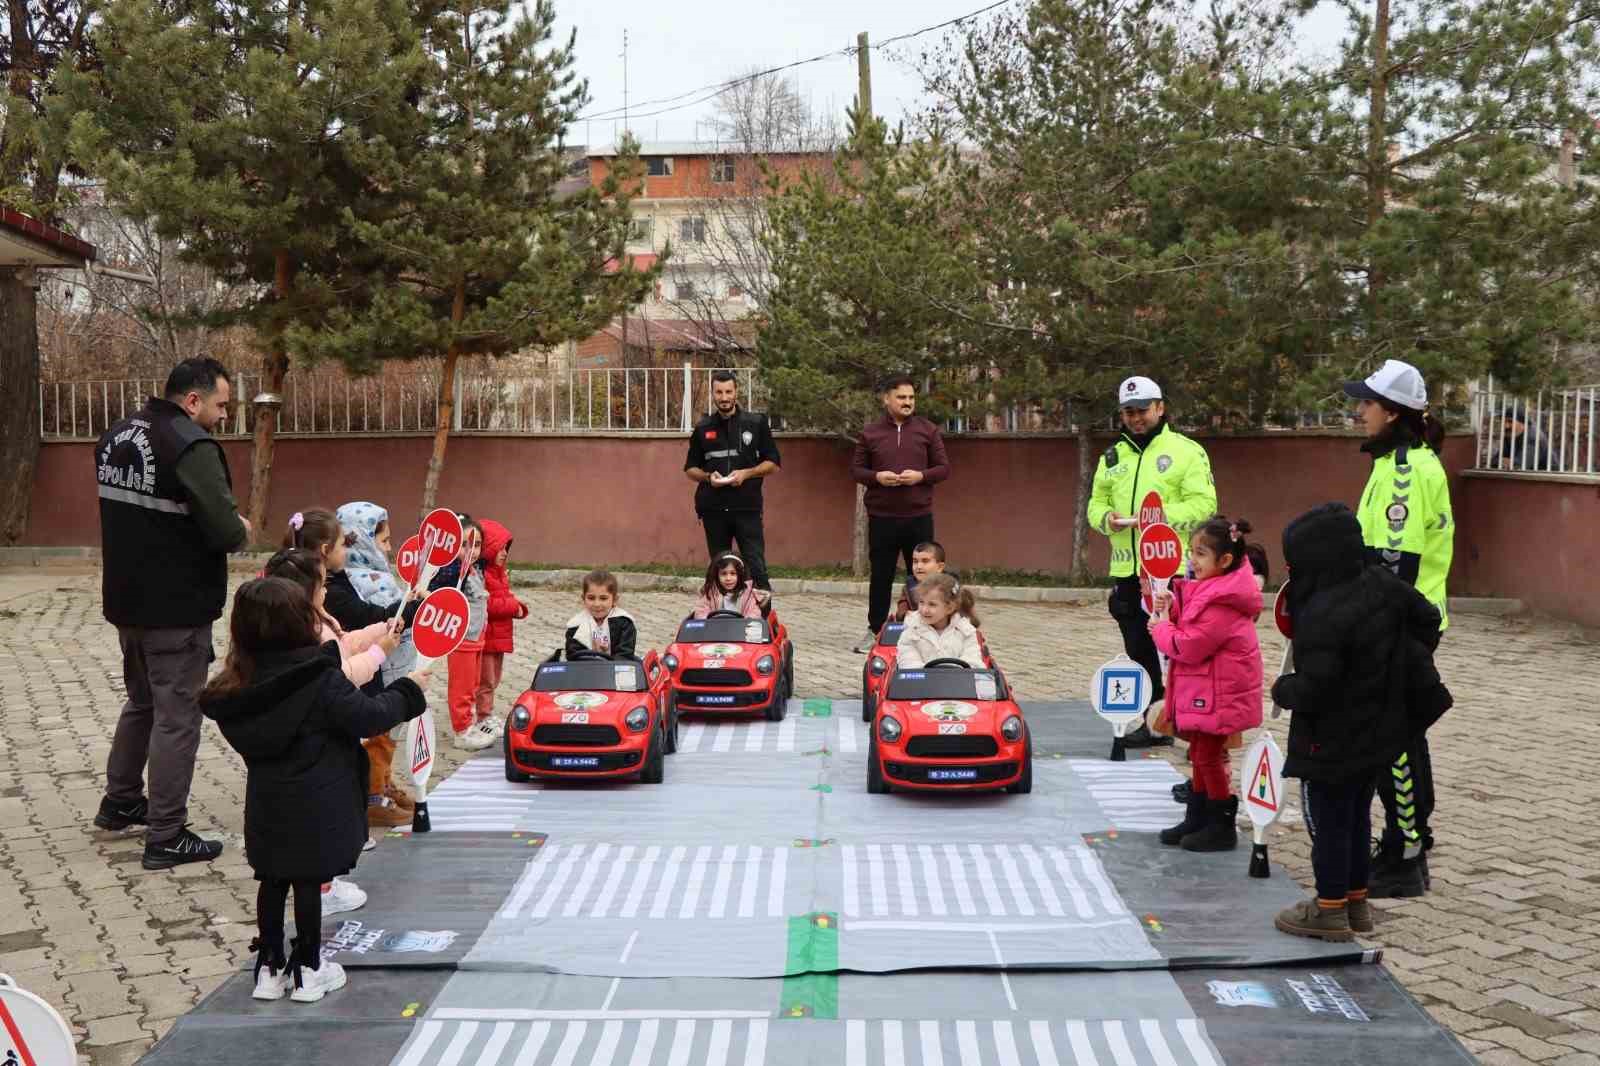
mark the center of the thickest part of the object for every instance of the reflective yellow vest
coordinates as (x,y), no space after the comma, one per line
(1405,510)
(1174,466)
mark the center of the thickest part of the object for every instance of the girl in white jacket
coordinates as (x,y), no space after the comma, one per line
(945,625)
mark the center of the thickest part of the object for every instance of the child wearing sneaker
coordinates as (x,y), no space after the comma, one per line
(727,588)
(945,625)
(504,610)
(1363,683)
(284,704)
(1206,627)
(465,664)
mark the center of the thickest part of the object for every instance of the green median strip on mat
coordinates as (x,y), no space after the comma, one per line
(817,708)
(811,987)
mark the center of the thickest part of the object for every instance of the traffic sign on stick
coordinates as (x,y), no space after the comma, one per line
(1280,615)
(1120,693)
(408,560)
(438,629)
(1152,512)
(1261,786)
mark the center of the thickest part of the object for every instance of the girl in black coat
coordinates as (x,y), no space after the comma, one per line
(283,702)
(1364,682)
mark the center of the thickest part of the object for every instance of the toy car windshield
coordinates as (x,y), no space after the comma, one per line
(890,635)
(623,676)
(725,631)
(943,683)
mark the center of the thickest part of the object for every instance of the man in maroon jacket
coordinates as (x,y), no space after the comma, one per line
(899,458)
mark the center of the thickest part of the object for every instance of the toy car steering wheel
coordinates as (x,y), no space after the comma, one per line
(724,614)
(588,655)
(948,661)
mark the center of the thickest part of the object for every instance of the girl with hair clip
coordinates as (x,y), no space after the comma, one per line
(1206,627)
(944,626)
(728,588)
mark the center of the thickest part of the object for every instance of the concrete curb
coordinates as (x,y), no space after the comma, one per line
(250,562)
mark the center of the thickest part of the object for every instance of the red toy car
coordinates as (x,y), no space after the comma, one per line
(728,663)
(948,727)
(879,665)
(592,717)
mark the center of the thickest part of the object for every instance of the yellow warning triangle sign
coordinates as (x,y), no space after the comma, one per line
(1263,786)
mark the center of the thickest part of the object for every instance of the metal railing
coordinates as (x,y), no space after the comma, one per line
(581,400)
(1551,432)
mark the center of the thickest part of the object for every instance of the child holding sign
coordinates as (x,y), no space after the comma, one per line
(284,703)
(1206,627)
(465,665)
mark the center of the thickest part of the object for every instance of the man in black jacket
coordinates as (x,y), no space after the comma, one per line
(730,454)
(1364,684)
(167,523)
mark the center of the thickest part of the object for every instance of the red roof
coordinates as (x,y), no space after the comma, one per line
(643,261)
(30,238)
(681,334)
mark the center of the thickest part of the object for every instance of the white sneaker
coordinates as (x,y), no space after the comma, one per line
(342,896)
(490,727)
(314,984)
(473,738)
(272,984)
(369,845)
(869,642)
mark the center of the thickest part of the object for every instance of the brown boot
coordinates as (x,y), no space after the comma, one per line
(1310,918)
(396,796)
(1359,912)
(385,815)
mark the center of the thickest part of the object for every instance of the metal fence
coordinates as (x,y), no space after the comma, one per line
(600,400)
(1551,432)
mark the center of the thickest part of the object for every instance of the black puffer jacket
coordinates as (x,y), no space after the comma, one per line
(1364,680)
(299,726)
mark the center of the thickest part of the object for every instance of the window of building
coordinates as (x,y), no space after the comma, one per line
(658,166)
(735,290)
(692,230)
(685,290)
(722,169)
(641,230)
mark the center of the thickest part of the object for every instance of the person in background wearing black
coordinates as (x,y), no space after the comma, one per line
(899,458)
(730,454)
(167,523)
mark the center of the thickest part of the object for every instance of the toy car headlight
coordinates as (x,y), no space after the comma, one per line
(670,660)
(888,729)
(520,719)
(877,666)
(637,719)
(1011,728)
(765,665)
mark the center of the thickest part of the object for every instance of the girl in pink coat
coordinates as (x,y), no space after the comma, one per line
(728,588)
(1206,627)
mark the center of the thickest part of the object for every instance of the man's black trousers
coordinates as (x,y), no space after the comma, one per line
(888,541)
(1134,623)
(724,527)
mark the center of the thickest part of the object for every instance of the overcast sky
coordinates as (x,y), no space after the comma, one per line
(675,48)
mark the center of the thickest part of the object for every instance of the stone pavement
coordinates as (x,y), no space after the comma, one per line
(1505,952)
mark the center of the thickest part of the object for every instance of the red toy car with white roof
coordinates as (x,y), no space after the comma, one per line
(726,663)
(948,727)
(590,717)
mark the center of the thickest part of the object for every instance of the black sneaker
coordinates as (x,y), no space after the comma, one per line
(1182,791)
(185,847)
(1143,738)
(115,816)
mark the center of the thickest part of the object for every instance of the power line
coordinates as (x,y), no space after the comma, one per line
(712,91)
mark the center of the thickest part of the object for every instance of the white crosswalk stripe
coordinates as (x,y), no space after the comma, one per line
(1145,1042)
(591,1041)
(661,882)
(1135,796)
(628,1038)
(1023,881)
(740,734)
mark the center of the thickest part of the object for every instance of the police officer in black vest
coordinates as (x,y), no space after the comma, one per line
(167,523)
(730,453)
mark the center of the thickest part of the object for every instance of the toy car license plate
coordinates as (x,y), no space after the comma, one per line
(575,762)
(713,700)
(952,729)
(574,717)
(953,775)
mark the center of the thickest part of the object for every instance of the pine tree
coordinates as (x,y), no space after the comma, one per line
(479,250)
(868,261)
(224,123)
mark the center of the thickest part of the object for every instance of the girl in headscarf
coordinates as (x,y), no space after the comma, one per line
(368,543)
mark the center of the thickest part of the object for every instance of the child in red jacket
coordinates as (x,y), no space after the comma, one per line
(504,608)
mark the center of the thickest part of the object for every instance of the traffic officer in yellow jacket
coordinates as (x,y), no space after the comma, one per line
(1407,525)
(1150,454)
